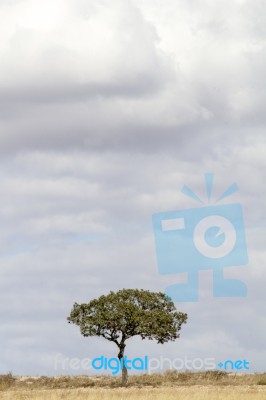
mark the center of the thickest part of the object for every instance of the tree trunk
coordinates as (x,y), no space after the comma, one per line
(121,359)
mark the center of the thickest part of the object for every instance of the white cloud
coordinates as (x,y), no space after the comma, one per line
(57,43)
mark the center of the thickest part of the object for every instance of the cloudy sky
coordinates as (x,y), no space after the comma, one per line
(107,108)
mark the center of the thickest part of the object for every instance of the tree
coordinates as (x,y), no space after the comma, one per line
(127,313)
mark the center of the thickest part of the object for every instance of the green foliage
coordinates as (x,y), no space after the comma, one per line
(127,313)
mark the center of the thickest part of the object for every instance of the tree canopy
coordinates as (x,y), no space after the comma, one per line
(121,315)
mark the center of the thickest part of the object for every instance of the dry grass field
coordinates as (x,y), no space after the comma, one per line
(170,385)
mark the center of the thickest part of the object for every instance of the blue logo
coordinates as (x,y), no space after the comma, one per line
(234,365)
(116,365)
(209,237)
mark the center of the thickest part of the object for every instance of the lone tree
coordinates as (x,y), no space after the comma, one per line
(127,313)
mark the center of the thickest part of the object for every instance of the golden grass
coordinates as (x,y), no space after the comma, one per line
(171,385)
(180,393)
(169,379)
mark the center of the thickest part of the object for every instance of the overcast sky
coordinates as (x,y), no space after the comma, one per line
(107,108)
